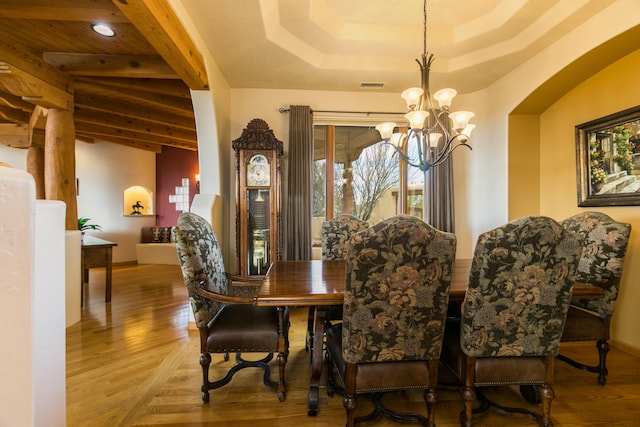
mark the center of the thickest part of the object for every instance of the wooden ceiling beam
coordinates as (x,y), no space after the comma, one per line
(33,89)
(14,116)
(158,23)
(91,138)
(21,57)
(106,105)
(87,64)
(14,135)
(62,10)
(141,126)
(139,99)
(15,102)
(170,87)
(125,134)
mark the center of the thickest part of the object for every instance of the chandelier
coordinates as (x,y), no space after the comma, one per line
(429,128)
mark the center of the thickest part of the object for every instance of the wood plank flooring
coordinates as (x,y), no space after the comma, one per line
(133,362)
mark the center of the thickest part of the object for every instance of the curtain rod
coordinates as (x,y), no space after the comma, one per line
(286,110)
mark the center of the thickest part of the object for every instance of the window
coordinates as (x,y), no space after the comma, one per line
(354,172)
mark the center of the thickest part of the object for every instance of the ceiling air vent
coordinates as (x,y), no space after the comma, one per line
(371,85)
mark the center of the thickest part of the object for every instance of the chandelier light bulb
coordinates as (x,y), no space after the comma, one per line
(412,97)
(386,129)
(459,119)
(434,139)
(416,118)
(444,97)
(466,132)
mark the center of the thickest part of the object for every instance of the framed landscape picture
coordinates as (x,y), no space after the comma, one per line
(608,160)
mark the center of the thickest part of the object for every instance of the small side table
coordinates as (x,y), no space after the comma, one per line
(96,253)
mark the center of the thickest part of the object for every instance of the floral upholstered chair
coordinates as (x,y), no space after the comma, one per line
(513,313)
(398,274)
(336,233)
(604,247)
(335,236)
(228,322)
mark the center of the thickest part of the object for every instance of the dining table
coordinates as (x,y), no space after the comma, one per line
(320,283)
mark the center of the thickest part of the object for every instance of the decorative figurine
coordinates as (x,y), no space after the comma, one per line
(136,208)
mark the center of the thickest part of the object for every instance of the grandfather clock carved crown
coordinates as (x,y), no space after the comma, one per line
(258,198)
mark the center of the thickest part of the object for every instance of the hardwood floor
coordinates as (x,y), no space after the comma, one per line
(133,362)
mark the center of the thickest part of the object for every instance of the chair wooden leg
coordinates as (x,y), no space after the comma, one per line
(205,361)
(431,400)
(350,400)
(468,396)
(546,396)
(468,392)
(603,349)
(281,361)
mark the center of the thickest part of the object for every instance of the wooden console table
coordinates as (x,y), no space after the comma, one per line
(96,253)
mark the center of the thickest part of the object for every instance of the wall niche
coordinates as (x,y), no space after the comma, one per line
(137,201)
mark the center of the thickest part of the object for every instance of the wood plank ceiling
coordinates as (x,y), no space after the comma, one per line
(131,89)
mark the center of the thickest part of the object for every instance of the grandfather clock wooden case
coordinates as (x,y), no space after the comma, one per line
(258,198)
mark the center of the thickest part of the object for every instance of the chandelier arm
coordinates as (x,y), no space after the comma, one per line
(438,123)
(448,149)
(406,158)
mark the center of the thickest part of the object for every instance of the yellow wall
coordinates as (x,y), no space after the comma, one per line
(615,88)
(524,165)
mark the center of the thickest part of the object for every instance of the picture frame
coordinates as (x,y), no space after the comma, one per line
(608,160)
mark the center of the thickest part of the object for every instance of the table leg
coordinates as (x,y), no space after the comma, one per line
(107,296)
(317,361)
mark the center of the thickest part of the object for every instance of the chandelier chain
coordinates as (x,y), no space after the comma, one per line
(424,26)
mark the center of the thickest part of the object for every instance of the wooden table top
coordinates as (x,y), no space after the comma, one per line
(316,282)
(96,242)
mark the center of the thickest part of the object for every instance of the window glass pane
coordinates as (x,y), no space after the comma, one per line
(415,179)
(375,183)
(340,185)
(365,174)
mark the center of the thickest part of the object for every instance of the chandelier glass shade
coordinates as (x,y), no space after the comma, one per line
(433,129)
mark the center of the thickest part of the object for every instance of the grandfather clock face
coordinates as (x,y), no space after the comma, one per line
(258,171)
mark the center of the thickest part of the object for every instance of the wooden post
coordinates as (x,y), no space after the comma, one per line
(35,166)
(60,163)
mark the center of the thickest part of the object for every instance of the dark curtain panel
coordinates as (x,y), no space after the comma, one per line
(298,200)
(441,213)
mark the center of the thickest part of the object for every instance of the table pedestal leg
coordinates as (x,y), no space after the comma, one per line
(317,361)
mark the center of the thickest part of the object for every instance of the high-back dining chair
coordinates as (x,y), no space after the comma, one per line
(604,247)
(227,320)
(336,233)
(513,313)
(398,274)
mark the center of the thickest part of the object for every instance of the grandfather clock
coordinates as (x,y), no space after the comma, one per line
(258,198)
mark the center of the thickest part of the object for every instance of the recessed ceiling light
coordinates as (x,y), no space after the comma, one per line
(103,30)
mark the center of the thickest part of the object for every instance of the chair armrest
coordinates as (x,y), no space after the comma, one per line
(236,298)
(245,285)
(603,283)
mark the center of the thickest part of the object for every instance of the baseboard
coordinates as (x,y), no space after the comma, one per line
(124,263)
(625,348)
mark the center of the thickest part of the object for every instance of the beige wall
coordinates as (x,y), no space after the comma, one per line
(613,89)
